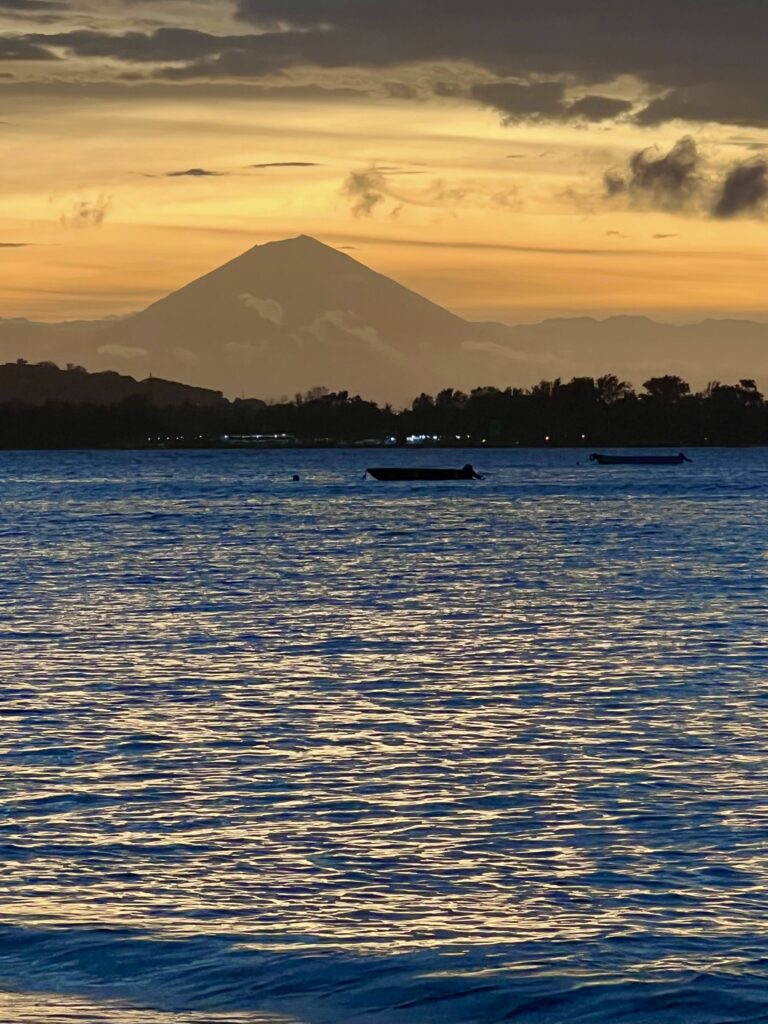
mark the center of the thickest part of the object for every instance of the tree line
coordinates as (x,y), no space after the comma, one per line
(582,412)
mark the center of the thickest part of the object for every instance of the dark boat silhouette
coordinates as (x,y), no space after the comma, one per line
(423,473)
(638,460)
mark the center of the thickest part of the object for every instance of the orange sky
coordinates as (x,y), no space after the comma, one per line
(505,221)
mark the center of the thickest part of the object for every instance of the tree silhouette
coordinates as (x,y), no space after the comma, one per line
(43,406)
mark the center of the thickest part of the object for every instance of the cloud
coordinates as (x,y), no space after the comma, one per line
(598,108)
(32,6)
(679,181)
(672,181)
(85,213)
(743,191)
(18,48)
(285,163)
(268,309)
(163,44)
(122,351)
(737,101)
(329,326)
(699,60)
(367,189)
(370,189)
(517,101)
(42,11)
(14,245)
(193,172)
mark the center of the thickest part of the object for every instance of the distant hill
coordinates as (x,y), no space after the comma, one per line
(35,384)
(289,315)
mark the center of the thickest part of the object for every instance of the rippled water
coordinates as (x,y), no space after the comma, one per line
(338,751)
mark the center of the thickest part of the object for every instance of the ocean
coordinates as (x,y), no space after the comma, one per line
(333,751)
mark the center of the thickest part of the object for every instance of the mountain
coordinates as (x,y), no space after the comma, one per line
(290,315)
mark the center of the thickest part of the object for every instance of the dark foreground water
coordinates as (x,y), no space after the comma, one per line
(338,751)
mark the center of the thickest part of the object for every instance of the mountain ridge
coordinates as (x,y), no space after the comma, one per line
(291,314)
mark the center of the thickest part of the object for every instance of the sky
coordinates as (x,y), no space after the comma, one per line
(507,159)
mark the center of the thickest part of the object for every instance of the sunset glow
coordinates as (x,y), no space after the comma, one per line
(130,168)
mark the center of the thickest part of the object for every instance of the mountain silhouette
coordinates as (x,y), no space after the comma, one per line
(290,315)
(37,383)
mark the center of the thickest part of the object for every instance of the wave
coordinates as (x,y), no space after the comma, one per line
(229,975)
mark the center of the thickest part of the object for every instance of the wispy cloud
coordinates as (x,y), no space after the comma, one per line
(86,213)
(284,163)
(367,189)
(193,172)
(370,189)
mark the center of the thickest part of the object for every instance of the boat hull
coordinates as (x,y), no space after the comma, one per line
(639,460)
(394,473)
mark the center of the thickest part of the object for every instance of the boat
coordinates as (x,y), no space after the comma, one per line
(638,460)
(423,473)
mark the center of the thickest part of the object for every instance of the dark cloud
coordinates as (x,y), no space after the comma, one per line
(285,163)
(448,90)
(678,182)
(30,7)
(193,172)
(661,41)
(14,245)
(701,60)
(400,90)
(164,44)
(367,189)
(739,101)
(676,45)
(660,236)
(614,184)
(17,48)
(744,191)
(518,102)
(598,108)
(672,181)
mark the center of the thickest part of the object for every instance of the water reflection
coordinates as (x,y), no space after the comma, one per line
(515,733)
